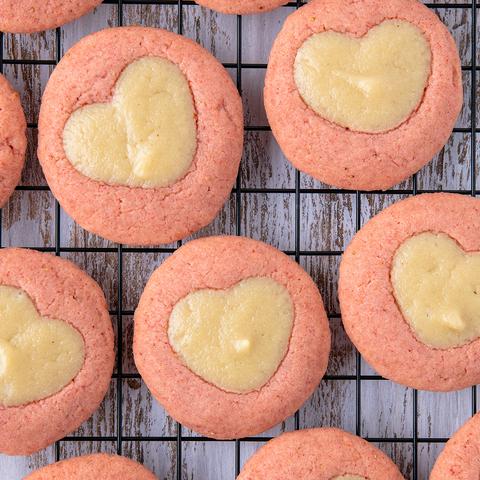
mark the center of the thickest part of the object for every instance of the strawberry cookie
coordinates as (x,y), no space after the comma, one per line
(409,292)
(13,140)
(140,135)
(231,336)
(242,7)
(459,459)
(56,349)
(93,467)
(353,88)
(27,16)
(319,454)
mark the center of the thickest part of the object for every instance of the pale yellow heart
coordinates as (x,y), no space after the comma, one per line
(368,84)
(437,287)
(235,338)
(146,136)
(38,356)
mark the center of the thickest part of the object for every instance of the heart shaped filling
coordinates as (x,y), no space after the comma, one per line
(369,84)
(235,338)
(437,286)
(146,136)
(38,356)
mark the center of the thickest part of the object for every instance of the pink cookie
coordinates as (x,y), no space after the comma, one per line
(347,158)
(27,16)
(135,215)
(13,141)
(319,454)
(242,6)
(99,466)
(62,291)
(220,263)
(370,313)
(460,459)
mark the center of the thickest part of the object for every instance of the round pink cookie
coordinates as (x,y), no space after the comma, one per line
(59,290)
(370,314)
(460,459)
(242,6)
(220,263)
(87,74)
(98,466)
(27,16)
(13,141)
(319,454)
(346,158)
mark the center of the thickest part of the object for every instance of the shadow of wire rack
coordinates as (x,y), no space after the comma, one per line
(272,202)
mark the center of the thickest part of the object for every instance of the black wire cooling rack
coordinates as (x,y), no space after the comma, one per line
(358,377)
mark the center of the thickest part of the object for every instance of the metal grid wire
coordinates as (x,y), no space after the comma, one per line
(118,313)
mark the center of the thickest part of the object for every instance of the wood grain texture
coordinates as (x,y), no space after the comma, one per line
(327,222)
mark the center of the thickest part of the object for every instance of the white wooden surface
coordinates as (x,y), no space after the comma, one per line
(327,222)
